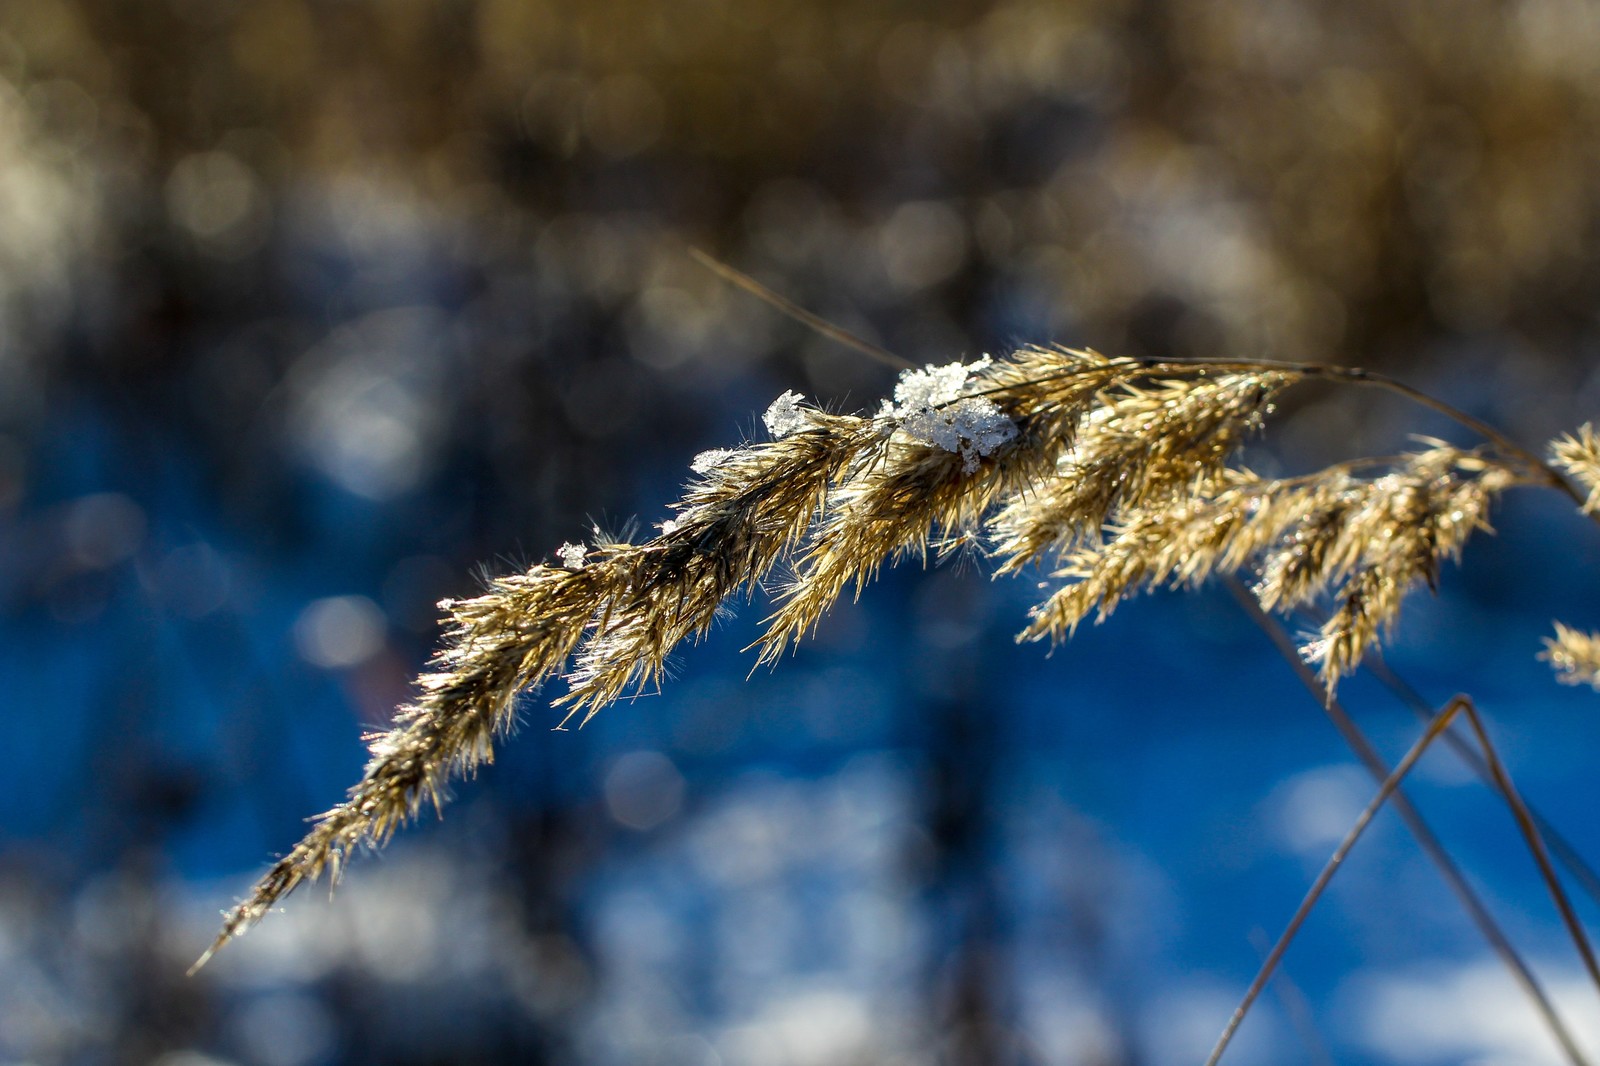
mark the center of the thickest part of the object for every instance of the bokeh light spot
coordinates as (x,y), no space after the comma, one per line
(339,631)
(643,789)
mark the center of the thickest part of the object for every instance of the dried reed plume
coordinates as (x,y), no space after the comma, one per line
(621,611)
(1572,653)
(1114,472)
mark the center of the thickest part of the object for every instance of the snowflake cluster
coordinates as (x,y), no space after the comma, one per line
(571,555)
(929,406)
(712,458)
(786,416)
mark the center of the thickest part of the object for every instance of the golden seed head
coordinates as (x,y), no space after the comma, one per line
(1114,470)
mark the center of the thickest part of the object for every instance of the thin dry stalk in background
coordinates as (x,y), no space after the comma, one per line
(1473,905)
(1435,728)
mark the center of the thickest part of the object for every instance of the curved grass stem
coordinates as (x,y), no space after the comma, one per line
(1440,722)
(1476,911)
(1536,845)
(1577,866)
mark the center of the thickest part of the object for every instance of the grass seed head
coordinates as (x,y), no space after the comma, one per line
(1574,655)
(1114,469)
(1579,456)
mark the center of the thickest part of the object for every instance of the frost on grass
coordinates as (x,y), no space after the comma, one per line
(712,458)
(930,407)
(786,416)
(571,555)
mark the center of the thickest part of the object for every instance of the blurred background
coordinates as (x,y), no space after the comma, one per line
(313,312)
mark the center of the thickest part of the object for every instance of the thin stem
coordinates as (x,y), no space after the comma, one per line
(1320,885)
(1565,852)
(1530,833)
(1294,1004)
(798,313)
(1483,429)
(1426,840)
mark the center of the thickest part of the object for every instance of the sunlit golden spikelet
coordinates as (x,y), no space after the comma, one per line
(515,635)
(887,508)
(1411,522)
(635,602)
(1046,390)
(1229,521)
(1056,516)
(1315,522)
(1377,537)
(1144,444)
(1175,433)
(1366,602)
(1183,541)
(895,501)
(733,525)
(1580,456)
(1574,654)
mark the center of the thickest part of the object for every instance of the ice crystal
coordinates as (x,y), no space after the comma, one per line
(1314,652)
(929,406)
(785,416)
(571,555)
(708,461)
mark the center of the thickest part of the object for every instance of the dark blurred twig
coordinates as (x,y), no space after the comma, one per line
(1358,742)
(1294,1005)
(1564,851)
(1530,833)
(798,313)
(1320,885)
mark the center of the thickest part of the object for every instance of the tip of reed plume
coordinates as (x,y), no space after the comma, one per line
(1579,455)
(1574,655)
